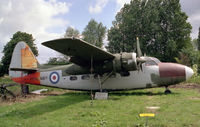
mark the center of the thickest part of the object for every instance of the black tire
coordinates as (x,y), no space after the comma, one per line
(168,92)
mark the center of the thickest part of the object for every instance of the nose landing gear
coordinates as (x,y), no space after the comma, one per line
(167,91)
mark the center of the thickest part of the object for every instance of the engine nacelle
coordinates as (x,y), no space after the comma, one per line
(129,62)
(122,63)
(126,62)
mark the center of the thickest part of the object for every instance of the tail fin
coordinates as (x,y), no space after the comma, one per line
(23,59)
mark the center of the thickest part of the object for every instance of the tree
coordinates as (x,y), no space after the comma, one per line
(198,40)
(71,32)
(9,47)
(195,44)
(94,33)
(1,69)
(162,28)
(189,57)
(57,61)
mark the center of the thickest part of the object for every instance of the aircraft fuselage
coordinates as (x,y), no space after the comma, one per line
(161,74)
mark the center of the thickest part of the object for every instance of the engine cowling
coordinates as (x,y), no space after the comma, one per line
(128,62)
(123,62)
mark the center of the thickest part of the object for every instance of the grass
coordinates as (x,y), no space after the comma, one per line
(122,109)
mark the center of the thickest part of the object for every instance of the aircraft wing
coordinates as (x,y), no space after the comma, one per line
(80,51)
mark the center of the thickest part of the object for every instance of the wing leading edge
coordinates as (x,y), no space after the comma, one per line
(80,51)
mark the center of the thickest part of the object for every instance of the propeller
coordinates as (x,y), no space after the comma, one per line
(121,52)
(139,52)
(140,59)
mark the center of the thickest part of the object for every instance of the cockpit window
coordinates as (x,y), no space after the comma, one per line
(155,60)
(151,61)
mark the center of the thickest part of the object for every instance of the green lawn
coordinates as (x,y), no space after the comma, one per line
(122,109)
(73,109)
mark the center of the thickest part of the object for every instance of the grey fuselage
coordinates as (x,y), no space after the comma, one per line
(77,78)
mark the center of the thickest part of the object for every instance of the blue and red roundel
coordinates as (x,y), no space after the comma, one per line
(54,77)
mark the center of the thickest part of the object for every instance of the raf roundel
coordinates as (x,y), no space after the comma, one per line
(54,77)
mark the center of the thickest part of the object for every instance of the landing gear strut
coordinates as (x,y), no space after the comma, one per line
(101,82)
(167,91)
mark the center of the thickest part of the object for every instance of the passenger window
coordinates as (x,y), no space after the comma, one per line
(72,78)
(150,63)
(96,76)
(85,77)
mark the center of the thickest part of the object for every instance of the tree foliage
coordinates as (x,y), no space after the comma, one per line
(183,59)
(160,24)
(189,57)
(71,32)
(195,44)
(57,61)
(198,40)
(94,33)
(1,69)
(9,47)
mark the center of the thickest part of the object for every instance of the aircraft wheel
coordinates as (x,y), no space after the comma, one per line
(167,91)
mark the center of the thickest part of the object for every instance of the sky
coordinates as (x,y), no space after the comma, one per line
(49,19)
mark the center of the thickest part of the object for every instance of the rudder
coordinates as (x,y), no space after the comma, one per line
(23,59)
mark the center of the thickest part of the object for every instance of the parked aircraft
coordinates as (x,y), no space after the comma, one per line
(94,68)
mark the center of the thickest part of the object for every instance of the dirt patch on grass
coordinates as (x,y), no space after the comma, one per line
(20,99)
(153,109)
(187,86)
(194,98)
(28,98)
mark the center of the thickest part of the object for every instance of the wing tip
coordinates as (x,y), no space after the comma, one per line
(68,38)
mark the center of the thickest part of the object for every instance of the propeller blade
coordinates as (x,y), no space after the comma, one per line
(146,2)
(141,60)
(139,52)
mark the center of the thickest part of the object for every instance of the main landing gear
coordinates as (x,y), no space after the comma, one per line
(101,82)
(167,91)
(102,95)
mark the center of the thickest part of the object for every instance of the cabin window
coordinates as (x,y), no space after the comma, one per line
(73,78)
(85,77)
(96,76)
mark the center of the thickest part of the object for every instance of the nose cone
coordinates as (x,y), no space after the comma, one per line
(172,70)
(171,73)
(188,72)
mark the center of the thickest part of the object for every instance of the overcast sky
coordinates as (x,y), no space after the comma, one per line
(48,19)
